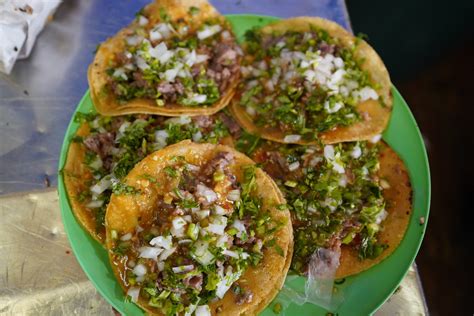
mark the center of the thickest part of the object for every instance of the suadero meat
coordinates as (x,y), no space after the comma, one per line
(203,121)
(223,64)
(219,162)
(122,58)
(139,81)
(276,165)
(101,143)
(326,48)
(231,124)
(194,282)
(170,91)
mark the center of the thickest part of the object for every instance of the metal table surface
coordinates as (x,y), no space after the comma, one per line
(36,103)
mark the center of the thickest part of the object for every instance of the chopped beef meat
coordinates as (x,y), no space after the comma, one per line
(122,58)
(194,282)
(225,53)
(231,124)
(116,122)
(189,182)
(219,162)
(170,91)
(326,48)
(276,165)
(223,64)
(101,143)
(139,81)
(203,121)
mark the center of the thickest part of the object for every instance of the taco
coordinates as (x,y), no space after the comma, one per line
(178,57)
(202,230)
(352,199)
(307,79)
(105,149)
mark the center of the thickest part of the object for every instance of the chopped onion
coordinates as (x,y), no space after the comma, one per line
(217,229)
(149,252)
(142,21)
(197,136)
(133,292)
(202,254)
(311,208)
(126,237)
(230,253)
(202,214)
(250,110)
(225,35)
(171,74)
(224,285)
(291,138)
(163,242)
(139,270)
(206,193)
(209,31)
(165,254)
(165,29)
(95,204)
(155,35)
(141,63)
(102,185)
(382,215)
(334,108)
(338,62)
(184,241)
(120,72)
(183,269)
(294,166)
(198,98)
(133,40)
(219,210)
(376,138)
(222,241)
(329,152)
(356,152)
(160,265)
(336,166)
(180,120)
(202,310)
(367,93)
(239,225)
(178,222)
(234,195)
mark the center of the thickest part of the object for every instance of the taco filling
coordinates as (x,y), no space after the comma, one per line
(174,61)
(334,194)
(300,84)
(113,145)
(205,230)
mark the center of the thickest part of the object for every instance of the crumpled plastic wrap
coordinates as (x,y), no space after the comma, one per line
(317,288)
(20,23)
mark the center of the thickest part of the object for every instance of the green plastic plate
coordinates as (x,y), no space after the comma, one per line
(363,293)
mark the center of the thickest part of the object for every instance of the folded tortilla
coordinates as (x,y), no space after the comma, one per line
(375,114)
(125,212)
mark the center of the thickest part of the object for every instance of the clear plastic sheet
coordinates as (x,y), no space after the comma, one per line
(318,287)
